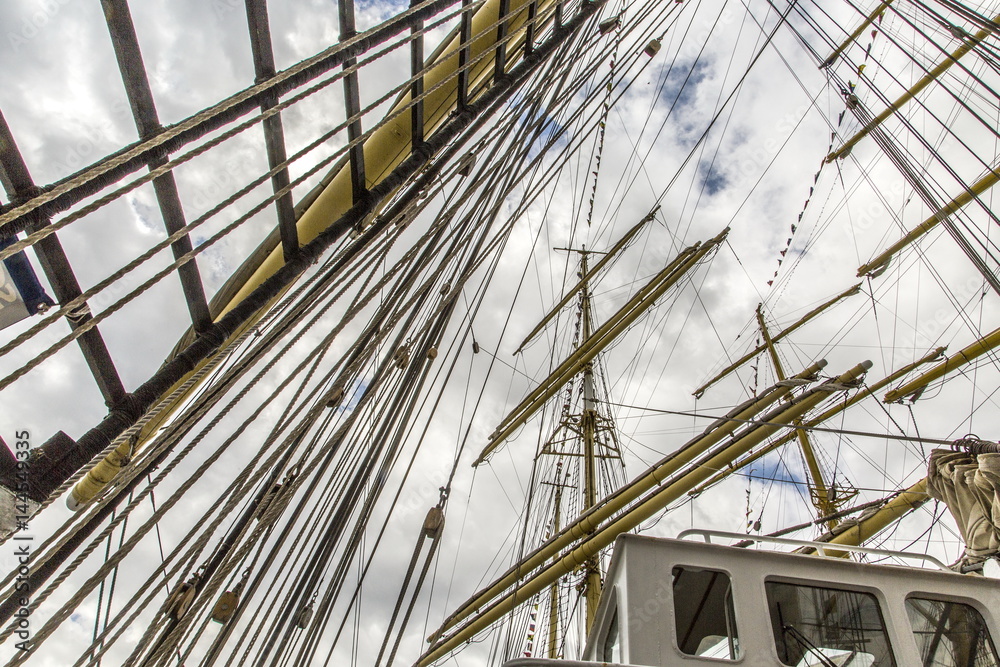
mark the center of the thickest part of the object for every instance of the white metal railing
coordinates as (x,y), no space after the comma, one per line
(820,547)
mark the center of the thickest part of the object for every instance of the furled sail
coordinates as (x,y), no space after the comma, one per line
(969,484)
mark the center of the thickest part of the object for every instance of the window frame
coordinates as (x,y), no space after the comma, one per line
(886,609)
(672,624)
(612,609)
(936,596)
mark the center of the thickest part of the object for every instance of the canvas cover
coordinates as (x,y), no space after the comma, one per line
(969,485)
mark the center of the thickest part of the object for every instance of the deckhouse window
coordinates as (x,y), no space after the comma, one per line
(815,626)
(611,649)
(704,620)
(950,634)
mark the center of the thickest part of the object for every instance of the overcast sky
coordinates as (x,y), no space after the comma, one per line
(759,171)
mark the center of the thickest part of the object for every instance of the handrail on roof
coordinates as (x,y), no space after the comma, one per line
(820,547)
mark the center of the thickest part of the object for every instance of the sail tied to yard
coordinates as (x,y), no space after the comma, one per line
(967,479)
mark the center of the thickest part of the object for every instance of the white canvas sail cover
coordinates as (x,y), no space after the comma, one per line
(969,485)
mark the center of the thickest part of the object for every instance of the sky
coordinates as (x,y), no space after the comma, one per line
(689,132)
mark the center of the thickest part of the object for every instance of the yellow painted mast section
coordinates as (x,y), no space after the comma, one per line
(820,495)
(760,348)
(945,212)
(384,149)
(651,478)
(589,426)
(960,358)
(825,416)
(857,33)
(604,335)
(869,526)
(645,509)
(938,70)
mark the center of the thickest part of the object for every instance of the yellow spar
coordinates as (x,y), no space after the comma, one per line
(384,149)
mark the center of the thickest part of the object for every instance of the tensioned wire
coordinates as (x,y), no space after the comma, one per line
(711,123)
(664,77)
(183,422)
(921,186)
(737,86)
(696,146)
(78,331)
(940,21)
(868,434)
(893,39)
(169,165)
(455,342)
(117,160)
(163,474)
(92,323)
(864,175)
(380,446)
(611,213)
(313,367)
(180,421)
(892,150)
(946,127)
(890,37)
(864,172)
(641,21)
(261,326)
(705,181)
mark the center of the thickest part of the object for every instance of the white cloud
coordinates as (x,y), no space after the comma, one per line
(64,100)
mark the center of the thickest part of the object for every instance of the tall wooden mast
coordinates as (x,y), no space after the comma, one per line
(588,423)
(588,437)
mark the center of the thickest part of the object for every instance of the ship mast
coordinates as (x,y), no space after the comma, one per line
(559,484)
(589,437)
(817,489)
(588,423)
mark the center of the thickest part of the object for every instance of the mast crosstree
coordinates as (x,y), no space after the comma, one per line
(585,445)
